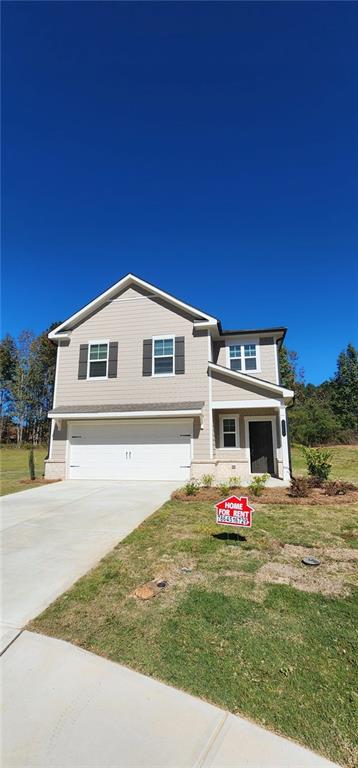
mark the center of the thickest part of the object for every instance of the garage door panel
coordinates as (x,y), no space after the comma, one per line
(141,450)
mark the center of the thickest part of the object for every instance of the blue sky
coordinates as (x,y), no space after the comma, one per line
(210,148)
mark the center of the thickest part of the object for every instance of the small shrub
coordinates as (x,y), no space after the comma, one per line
(207,481)
(258,483)
(234,482)
(318,464)
(191,488)
(224,488)
(315,482)
(338,488)
(300,487)
(32,465)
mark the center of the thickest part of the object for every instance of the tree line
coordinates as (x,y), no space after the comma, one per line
(27,377)
(327,413)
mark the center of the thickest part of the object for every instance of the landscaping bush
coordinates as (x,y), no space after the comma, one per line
(258,483)
(300,487)
(338,487)
(224,489)
(191,488)
(318,464)
(207,481)
(234,482)
(315,482)
(32,465)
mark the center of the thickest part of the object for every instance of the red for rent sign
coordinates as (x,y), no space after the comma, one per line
(234,511)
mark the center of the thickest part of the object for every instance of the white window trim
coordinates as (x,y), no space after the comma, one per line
(240,342)
(162,338)
(90,343)
(234,416)
(273,420)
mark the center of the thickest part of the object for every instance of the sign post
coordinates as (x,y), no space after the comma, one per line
(234,511)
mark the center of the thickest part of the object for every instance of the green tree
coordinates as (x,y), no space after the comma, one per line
(288,367)
(7,370)
(313,422)
(20,398)
(42,366)
(345,389)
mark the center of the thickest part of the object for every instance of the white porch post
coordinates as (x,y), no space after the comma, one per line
(284,443)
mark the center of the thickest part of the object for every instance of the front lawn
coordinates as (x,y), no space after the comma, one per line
(246,626)
(14,468)
(344,462)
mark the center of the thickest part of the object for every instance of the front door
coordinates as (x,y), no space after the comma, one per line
(261,448)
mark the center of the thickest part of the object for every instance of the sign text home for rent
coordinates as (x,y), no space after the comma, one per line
(234,511)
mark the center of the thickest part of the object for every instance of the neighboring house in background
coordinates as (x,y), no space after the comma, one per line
(150,388)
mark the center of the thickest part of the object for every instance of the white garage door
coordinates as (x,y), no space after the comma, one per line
(144,449)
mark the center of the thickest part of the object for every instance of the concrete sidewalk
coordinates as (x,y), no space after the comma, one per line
(66,708)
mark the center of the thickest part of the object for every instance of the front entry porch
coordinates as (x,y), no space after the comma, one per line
(248,442)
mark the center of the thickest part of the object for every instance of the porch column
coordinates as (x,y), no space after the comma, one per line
(284,443)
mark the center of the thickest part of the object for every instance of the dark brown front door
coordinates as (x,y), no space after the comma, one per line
(261,450)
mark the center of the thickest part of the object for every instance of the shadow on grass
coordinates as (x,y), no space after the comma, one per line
(229,536)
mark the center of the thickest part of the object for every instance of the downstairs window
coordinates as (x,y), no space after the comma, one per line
(229,432)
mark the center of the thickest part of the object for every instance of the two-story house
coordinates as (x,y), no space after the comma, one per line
(150,388)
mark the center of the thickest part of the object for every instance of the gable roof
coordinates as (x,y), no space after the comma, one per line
(245,378)
(126,281)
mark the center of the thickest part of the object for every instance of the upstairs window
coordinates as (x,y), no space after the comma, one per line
(98,360)
(235,357)
(250,357)
(163,356)
(229,432)
(243,357)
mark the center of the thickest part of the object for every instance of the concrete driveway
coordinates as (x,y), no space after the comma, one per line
(54,534)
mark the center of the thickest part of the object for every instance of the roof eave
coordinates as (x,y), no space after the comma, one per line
(242,332)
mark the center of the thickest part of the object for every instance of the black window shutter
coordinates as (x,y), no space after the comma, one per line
(82,362)
(112,359)
(147,357)
(179,354)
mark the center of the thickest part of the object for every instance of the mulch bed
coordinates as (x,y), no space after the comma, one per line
(38,480)
(315,497)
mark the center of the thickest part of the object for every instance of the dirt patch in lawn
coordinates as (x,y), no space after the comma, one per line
(338,570)
(175,577)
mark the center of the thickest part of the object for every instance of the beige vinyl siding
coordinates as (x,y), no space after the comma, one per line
(58,449)
(128,320)
(225,388)
(267,356)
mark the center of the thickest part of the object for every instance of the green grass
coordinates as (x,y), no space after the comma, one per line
(14,467)
(277,654)
(344,462)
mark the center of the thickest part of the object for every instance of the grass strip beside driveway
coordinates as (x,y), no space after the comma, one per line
(247,627)
(14,474)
